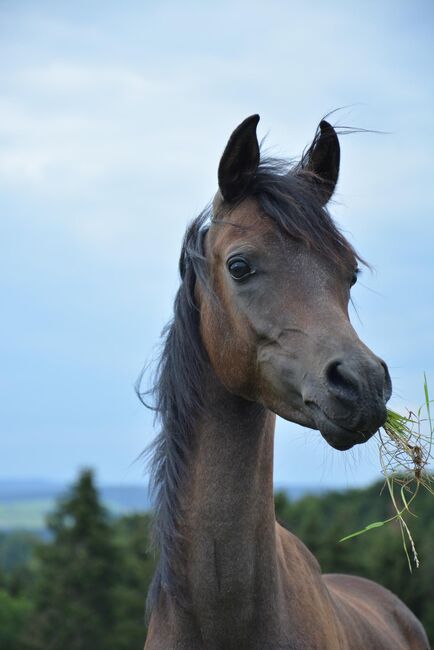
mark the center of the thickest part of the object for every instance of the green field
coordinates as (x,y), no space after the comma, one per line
(29,514)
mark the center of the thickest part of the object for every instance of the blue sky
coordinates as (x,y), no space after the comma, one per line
(112,120)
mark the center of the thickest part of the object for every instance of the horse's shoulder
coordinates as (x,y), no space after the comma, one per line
(378,605)
(292,549)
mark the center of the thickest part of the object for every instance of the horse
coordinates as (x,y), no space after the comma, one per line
(260,328)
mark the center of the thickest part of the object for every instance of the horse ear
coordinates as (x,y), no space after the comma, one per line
(240,160)
(322,159)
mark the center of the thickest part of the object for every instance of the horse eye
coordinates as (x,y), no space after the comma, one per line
(354,278)
(239,268)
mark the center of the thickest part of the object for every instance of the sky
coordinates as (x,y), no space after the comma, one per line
(113,117)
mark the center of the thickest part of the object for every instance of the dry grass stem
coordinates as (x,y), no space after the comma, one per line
(405,445)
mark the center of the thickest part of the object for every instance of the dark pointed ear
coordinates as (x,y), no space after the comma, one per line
(240,160)
(323,158)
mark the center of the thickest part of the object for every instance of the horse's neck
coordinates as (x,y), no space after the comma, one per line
(249,585)
(230,522)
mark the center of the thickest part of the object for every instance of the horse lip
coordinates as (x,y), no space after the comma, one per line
(334,434)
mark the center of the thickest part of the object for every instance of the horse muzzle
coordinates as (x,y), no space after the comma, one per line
(348,405)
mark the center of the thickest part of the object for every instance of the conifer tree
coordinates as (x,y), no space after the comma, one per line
(74,599)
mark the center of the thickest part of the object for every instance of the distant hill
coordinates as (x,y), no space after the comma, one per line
(24,504)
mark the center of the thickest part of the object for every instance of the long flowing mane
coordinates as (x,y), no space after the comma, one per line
(177,400)
(287,195)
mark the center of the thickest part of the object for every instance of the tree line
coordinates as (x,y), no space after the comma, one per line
(84,588)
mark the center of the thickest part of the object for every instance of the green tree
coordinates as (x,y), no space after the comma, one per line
(14,615)
(137,566)
(74,595)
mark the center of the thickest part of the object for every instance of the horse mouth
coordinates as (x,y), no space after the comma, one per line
(334,434)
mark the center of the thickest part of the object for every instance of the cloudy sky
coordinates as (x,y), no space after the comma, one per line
(112,120)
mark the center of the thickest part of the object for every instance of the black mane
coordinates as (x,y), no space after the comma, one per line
(289,196)
(177,400)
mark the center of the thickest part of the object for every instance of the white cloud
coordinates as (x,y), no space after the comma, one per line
(72,77)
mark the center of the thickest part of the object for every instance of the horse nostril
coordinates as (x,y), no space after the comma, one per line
(342,381)
(387,386)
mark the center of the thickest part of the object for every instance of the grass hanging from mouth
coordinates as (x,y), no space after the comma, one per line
(405,445)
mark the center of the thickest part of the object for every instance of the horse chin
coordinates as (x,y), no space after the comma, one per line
(340,444)
(334,434)
(312,417)
(343,439)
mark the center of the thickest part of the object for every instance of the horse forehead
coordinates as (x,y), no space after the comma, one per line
(244,223)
